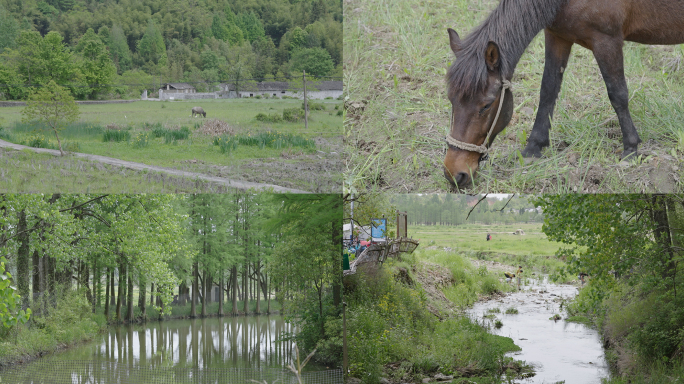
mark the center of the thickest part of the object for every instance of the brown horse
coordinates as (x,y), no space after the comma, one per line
(485,61)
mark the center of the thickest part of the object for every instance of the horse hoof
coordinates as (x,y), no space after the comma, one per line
(629,155)
(530,152)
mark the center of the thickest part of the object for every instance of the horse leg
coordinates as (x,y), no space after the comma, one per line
(557,53)
(608,54)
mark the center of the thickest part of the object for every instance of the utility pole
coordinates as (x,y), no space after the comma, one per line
(306,107)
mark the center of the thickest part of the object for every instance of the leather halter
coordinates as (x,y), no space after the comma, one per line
(483,149)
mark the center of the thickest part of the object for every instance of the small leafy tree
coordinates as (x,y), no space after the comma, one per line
(52,105)
(10,301)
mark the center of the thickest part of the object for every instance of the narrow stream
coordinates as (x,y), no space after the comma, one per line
(558,350)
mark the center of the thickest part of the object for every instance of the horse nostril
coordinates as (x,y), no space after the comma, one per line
(461,178)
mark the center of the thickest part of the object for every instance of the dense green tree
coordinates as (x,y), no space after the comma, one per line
(118,50)
(9,30)
(96,66)
(151,47)
(53,106)
(164,38)
(251,26)
(315,61)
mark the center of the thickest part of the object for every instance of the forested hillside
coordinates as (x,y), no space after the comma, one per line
(109,47)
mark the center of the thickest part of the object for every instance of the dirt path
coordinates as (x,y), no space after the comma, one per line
(243,185)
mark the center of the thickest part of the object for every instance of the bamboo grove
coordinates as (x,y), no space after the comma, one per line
(131,255)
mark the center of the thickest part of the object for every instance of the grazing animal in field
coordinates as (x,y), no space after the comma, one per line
(478,81)
(198,111)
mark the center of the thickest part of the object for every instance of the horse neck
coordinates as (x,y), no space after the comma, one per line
(513,25)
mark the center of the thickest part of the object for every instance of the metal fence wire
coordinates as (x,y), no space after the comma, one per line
(103,372)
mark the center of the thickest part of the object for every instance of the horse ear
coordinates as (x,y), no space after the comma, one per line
(454,40)
(492,56)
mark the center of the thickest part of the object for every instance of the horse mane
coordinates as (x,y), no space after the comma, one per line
(512,26)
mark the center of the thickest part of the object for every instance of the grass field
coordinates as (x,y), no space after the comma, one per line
(532,250)
(396,57)
(472,237)
(313,167)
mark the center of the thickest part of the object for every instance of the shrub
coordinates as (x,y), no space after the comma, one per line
(116,136)
(293,114)
(4,134)
(226,143)
(271,118)
(313,106)
(37,141)
(141,140)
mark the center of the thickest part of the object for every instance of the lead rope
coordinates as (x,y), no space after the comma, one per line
(483,149)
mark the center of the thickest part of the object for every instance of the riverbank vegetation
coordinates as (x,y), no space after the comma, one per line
(400,329)
(405,319)
(205,255)
(631,248)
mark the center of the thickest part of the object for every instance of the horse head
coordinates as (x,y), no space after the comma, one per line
(477,115)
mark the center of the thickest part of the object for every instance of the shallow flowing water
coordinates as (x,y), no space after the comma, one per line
(558,350)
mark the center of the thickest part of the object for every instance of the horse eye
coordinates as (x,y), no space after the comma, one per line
(486,107)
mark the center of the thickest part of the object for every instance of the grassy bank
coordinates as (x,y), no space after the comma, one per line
(642,328)
(69,322)
(394,327)
(396,55)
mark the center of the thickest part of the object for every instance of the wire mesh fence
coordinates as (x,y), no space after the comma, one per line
(104,372)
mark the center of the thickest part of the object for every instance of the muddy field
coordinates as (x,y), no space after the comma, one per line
(398,113)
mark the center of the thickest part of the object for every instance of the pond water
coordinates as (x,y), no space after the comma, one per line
(558,350)
(213,350)
(225,342)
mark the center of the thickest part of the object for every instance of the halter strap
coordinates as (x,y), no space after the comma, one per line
(483,149)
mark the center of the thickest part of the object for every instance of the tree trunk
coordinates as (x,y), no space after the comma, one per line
(36,275)
(193,303)
(220,310)
(129,314)
(245,304)
(119,294)
(233,277)
(205,294)
(23,256)
(142,287)
(112,300)
(107,276)
(152,294)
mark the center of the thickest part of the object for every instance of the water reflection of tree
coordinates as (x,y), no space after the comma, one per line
(240,342)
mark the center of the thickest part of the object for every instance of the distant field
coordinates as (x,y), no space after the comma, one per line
(315,168)
(237,112)
(532,250)
(472,237)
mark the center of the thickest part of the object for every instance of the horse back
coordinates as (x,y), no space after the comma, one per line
(641,21)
